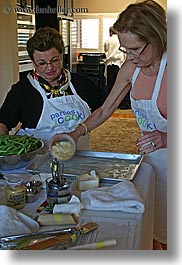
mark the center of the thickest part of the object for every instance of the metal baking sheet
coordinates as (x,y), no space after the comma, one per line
(109,166)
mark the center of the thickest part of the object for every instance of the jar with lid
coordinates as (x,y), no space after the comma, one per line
(15,193)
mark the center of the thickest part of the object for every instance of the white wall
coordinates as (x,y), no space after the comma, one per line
(108,6)
(8,47)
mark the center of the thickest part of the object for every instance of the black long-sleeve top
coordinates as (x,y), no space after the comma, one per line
(24,103)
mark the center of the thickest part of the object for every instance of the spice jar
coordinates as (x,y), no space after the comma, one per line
(15,193)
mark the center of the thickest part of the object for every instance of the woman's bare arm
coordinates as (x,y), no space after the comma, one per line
(100,115)
(3,129)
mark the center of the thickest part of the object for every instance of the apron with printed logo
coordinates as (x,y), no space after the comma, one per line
(59,115)
(149,118)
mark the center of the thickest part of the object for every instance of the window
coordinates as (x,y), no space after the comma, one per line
(88,33)
(107,23)
(92,31)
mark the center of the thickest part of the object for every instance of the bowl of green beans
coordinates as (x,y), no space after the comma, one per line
(17,151)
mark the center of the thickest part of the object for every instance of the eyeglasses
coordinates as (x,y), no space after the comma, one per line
(43,64)
(137,52)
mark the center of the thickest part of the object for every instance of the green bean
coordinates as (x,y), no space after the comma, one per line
(15,145)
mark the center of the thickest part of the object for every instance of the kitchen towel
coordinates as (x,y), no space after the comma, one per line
(15,223)
(122,196)
(72,207)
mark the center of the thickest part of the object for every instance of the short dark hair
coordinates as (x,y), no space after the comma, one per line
(44,39)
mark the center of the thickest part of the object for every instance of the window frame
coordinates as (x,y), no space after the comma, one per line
(101,18)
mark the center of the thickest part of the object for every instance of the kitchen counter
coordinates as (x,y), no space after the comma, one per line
(131,231)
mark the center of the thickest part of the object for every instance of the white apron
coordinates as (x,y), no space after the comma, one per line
(59,115)
(149,118)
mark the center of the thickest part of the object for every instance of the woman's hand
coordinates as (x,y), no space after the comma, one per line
(74,134)
(151,141)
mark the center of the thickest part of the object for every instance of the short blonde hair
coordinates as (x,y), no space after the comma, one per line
(147,20)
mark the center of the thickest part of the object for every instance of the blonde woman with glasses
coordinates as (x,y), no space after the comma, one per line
(142,31)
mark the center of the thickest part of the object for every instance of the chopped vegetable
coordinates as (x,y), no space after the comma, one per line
(62,150)
(18,144)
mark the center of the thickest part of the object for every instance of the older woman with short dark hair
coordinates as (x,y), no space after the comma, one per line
(46,101)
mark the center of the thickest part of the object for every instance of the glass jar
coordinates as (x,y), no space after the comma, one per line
(15,193)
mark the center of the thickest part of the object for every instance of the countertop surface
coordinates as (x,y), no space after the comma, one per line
(137,228)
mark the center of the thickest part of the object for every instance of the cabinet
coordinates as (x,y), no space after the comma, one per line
(25,30)
(25,3)
(46,18)
(94,71)
(65,9)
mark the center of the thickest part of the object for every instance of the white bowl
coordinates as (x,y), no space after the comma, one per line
(62,147)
